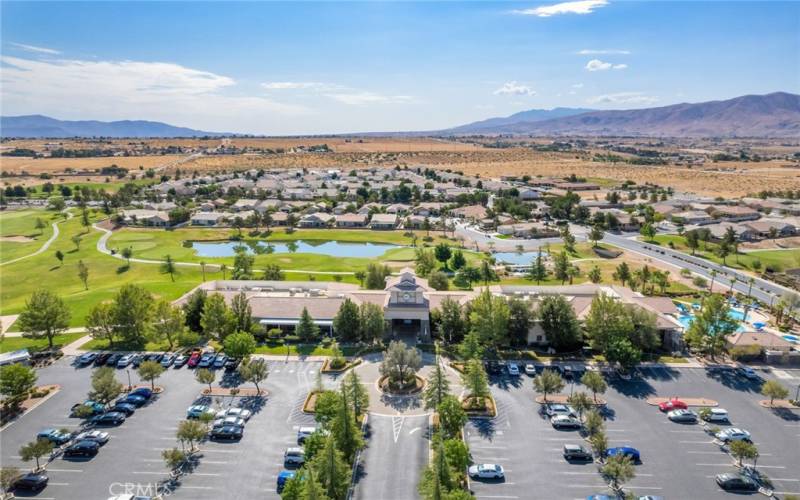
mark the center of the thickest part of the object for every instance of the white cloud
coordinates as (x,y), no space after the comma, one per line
(623,98)
(601,52)
(361,98)
(114,90)
(577,7)
(514,88)
(577,85)
(598,65)
(298,86)
(34,48)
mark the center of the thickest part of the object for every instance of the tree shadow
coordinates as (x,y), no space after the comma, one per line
(637,388)
(401,403)
(729,378)
(123,269)
(484,426)
(506,382)
(786,414)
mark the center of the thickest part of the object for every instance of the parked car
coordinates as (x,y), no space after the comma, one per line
(733,434)
(194,359)
(231,364)
(195,411)
(303,433)
(486,471)
(167,359)
(85,448)
(144,392)
(101,358)
(284,477)
(55,436)
(748,373)
(100,437)
(567,372)
(672,404)
(576,452)
(227,432)
(627,451)
(554,409)
(86,359)
(32,481)
(682,416)
(716,415)
(125,360)
(113,359)
(235,412)
(294,456)
(154,356)
(126,408)
(180,360)
(133,399)
(530,369)
(136,360)
(735,481)
(493,368)
(206,360)
(513,369)
(94,405)
(565,422)
(219,361)
(110,418)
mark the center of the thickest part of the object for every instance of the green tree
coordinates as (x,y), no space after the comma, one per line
(45,315)
(487,272)
(594,382)
(357,395)
(127,253)
(438,281)
(327,407)
(83,274)
(400,364)
(437,387)
(593,423)
(443,253)
(255,372)
(561,266)
(622,273)
(648,231)
(272,272)
(133,313)
(596,234)
(520,320)
(312,489)
(168,323)
(242,313)
(548,382)
(458,261)
(8,475)
(599,443)
(470,347)
(595,275)
(150,371)
(105,386)
(474,379)
(360,276)
(240,345)
(489,317)
(217,319)
(622,351)
(373,325)
(306,329)
(35,450)
(774,390)
(16,382)
(559,323)
(345,430)
(40,225)
(451,416)
(168,266)
(191,432)
(692,240)
(711,326)
(618,469)
(346,323)
(581,402)
(538,270)
(425,261)
(206,376)
(741,450)
(452,324)
(60,257)
(76,240)
(569,240)
(100,323)
(376,276)
(242,263)
(332,470)
(173,458)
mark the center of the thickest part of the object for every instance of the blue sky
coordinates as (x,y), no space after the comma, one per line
(312,68)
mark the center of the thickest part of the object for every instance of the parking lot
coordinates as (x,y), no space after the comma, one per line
(131,461)
(678,460)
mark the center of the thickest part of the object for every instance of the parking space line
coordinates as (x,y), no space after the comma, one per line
(696,442)
(66,470)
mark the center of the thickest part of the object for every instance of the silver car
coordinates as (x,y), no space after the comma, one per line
(683,416)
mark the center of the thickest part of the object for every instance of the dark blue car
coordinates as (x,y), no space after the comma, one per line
(144,392)
(55,436)
(627,451)
(126,408)
(283,477)
(133,399)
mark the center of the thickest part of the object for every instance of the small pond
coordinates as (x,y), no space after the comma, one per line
(516,258)
(331,248)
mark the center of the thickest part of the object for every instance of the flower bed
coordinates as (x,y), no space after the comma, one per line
(409,389)
(327,368)
(477,406)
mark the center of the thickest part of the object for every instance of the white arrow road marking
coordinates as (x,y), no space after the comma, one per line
(397,425)
(415,429)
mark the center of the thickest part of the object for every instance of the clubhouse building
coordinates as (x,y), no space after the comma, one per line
(407,301)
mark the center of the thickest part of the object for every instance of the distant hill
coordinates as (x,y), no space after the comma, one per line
(35,126)
(771,115)
(532,115)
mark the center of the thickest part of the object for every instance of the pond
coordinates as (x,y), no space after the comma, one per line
(330,248)
(516,258)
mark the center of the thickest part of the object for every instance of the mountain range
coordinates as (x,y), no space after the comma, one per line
(33,126)
(770,115)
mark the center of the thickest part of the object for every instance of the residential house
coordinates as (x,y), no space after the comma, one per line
(316,219)
(144,217)
(351,220)
(207,218)
(734,213)
(383,221)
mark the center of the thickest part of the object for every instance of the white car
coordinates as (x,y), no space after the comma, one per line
(565,422)
(558,409)
(235,412)
(717,415)
(230,420)
(195,411)
(733,434)
(513,369)
(530,369)
(125,360)
(99,437)
(486,471)
(304,433)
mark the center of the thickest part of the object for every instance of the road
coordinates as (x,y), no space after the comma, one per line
(765,291)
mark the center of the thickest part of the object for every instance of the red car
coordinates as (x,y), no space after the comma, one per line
(673,404)
(193,359)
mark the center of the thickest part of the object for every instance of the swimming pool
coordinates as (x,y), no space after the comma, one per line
(794,339)
(738,315)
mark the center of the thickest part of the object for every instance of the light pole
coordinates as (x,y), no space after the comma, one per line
(129,378)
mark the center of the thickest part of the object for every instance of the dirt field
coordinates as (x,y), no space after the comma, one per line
(57,165)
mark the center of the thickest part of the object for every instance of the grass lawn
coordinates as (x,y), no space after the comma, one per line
(779,259)
(9,344)
(109,187)
(22,223)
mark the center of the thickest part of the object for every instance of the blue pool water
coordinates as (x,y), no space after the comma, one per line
(736,314)
(792,338)
(331,248)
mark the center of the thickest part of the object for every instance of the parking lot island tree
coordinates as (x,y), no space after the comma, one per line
(599,443)
(105,386)
(35,450)
(332,470)
(774,390)
(150,371)
(191,432)
(345,429)
(470,347)
(45,315)
(475,380)
(452,416)
(173,458)
(437,387)
(206,376)
(594,382)
(618,469)
(548,382)
(581,402)
(400,364)
(8,475)
(593,422)
(254,371)
(16,382)
(357,395)
(741,450)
